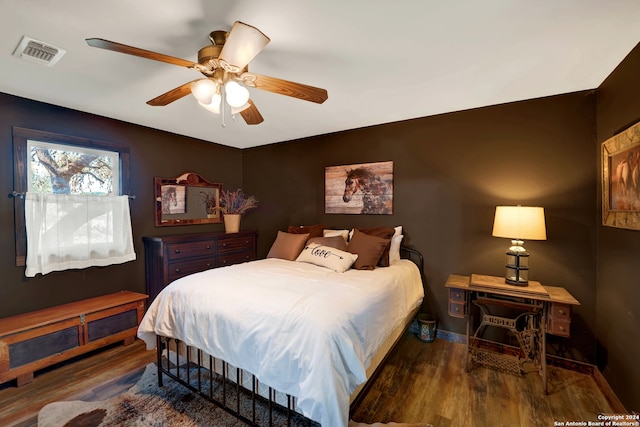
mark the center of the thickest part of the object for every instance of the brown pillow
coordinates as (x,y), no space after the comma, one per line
(287,246)
(313,230)
(385,233)
(368,248)
(336,242)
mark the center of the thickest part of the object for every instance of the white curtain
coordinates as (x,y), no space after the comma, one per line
(76,231)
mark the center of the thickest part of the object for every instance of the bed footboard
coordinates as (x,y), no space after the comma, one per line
(237,392)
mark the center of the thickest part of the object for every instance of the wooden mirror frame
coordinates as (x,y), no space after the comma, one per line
(186,192)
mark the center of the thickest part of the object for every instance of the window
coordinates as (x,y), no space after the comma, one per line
(105,170)
(68,169)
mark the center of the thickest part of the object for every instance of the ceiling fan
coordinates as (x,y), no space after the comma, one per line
(224,63)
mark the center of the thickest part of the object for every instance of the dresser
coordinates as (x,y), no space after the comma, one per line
(537,310)
(168,258)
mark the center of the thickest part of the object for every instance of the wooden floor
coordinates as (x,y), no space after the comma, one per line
(427,382)
(97,376)
(422,382)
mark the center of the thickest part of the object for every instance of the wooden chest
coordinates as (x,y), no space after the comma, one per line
(168,258)
(35,340)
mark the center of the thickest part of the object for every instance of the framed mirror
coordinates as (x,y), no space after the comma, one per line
(187,199)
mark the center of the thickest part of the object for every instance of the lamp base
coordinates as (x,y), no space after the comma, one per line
(516,282)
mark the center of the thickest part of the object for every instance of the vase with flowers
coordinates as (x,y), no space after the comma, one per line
(209,201)
(233,205)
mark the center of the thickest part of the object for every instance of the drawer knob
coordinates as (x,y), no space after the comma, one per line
(177,270)
(561,328)
(457,309)
(177,251)
(224,245)
(208,247)
(208,264)
(561,311)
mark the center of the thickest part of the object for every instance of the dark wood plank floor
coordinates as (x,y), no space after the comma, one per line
(97,376)
(427,382)
(422,382)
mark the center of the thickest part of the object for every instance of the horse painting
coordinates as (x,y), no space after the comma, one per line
(376,193)
(363,188)
(173,199)
(626,181)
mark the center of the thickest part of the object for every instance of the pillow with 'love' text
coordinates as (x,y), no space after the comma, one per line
(326,256)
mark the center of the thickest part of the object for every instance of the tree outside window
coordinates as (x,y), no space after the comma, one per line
(64,169)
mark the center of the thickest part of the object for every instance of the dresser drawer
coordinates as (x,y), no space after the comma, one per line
(457,309)
(196,248)
(234,244)
(559,327)
(457,295)
(560,311)
(183,268)
(235,258)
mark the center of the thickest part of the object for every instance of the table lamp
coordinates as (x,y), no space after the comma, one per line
(518,223)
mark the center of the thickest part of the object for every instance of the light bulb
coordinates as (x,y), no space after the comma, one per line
(237,95)
(214,105)
(203,90)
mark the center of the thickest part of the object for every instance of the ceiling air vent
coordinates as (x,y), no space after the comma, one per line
(37,51)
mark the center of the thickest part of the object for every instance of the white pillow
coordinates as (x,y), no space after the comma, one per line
(332,233)
(394,249)
(326,256)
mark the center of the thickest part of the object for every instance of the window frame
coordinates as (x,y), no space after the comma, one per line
(20,178)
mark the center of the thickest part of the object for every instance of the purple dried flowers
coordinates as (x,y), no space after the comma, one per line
(236,202)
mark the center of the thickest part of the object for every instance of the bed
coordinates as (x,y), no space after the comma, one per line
(308,335)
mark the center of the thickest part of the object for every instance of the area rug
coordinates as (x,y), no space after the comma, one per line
(146,404)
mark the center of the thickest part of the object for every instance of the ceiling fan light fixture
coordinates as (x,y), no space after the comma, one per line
(203,90)
(243,43)
(214,105)
(237,95)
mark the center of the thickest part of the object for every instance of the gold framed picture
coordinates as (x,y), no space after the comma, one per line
(621,180)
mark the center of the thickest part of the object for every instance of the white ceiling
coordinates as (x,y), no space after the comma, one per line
(380,61)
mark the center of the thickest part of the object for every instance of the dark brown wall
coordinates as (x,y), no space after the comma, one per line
(618,283)
(153,153)
(450,171)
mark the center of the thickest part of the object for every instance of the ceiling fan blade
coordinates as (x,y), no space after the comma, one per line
(251,115)
(172,95)
(130,50)
(295,90)
(243,43)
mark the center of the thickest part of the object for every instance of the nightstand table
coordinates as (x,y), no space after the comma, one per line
(541,310)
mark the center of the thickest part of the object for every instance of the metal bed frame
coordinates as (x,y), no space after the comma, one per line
(209,378)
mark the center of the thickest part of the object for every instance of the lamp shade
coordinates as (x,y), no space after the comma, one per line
(243,43)
(519,222)
(203,90)
(237,95)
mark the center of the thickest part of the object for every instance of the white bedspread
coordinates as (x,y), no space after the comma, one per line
(302,329)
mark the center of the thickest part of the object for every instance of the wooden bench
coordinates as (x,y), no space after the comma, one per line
(38,339)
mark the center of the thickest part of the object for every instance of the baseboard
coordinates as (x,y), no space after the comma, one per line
(608,393)
(560,362)
(451,336)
